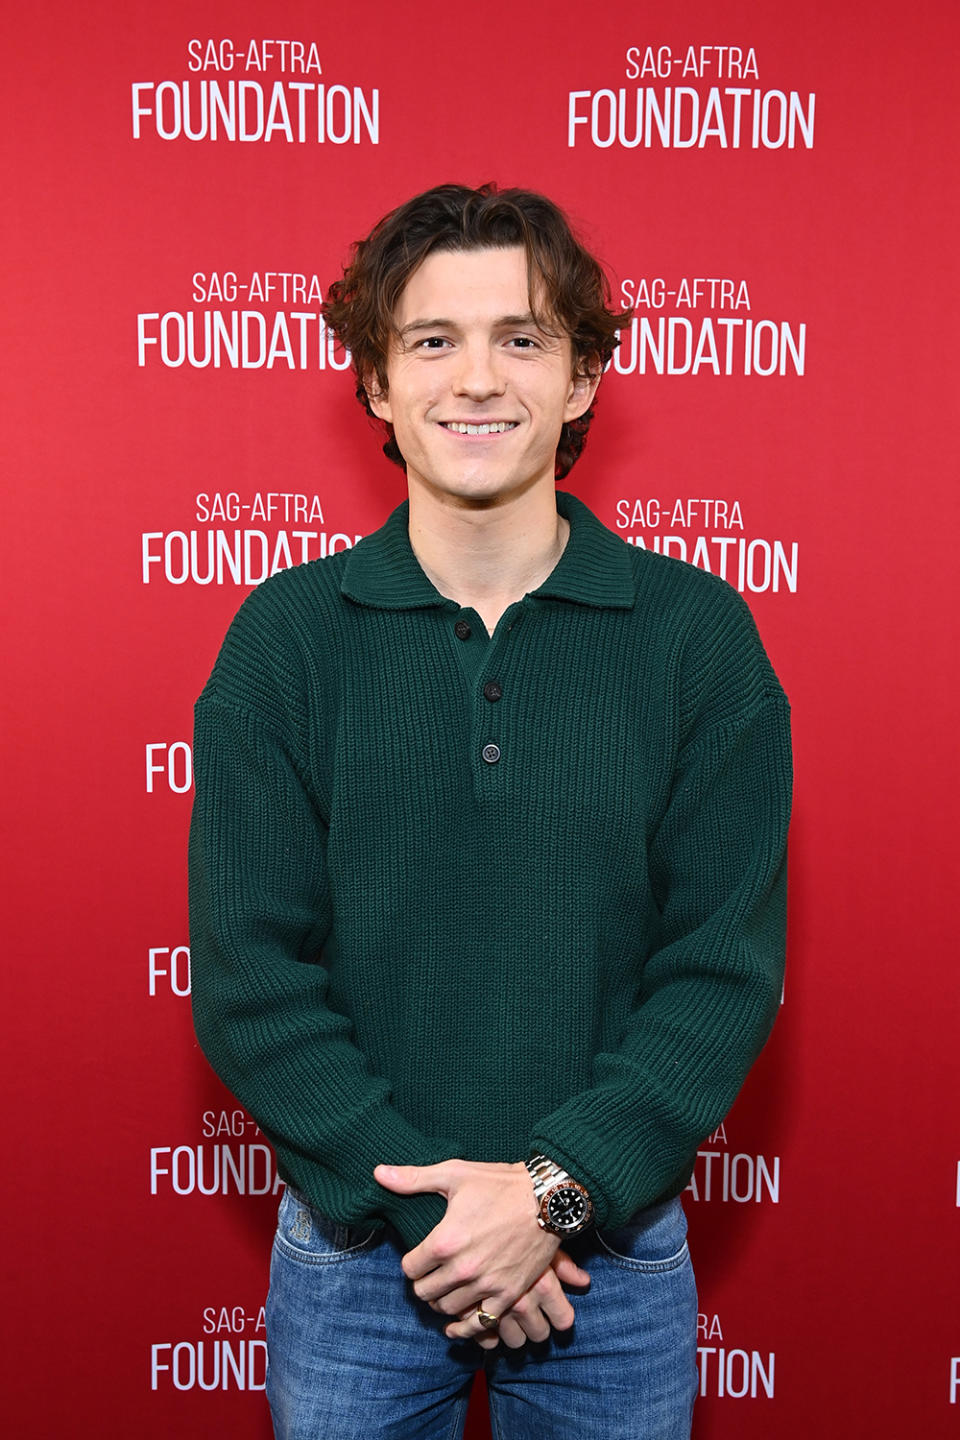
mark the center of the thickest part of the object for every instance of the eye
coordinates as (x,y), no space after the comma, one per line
(523,342)
(432,342)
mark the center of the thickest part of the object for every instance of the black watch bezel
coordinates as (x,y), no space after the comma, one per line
(552,1225)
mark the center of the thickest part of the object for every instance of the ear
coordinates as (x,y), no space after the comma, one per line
(378,399)
(583,387)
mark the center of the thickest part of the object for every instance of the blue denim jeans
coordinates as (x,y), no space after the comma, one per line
(354,1355)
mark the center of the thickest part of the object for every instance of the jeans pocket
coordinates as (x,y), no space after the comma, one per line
(304,1234)
(655,1240)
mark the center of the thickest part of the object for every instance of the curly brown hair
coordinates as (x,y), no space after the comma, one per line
(568,288)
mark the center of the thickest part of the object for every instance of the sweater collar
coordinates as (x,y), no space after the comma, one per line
(594,569)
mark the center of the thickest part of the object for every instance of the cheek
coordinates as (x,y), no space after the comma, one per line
(410,404)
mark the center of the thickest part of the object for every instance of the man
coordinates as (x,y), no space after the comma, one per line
(487,877)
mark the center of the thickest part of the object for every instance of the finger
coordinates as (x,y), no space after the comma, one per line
(558,1311)
(528,1319)
(457,1289)
(466,1329)
(469,1327)
(550,1299)
(487,1339)
(431,1286)
(436,1256)
(567,1271)
(424,1261)
(447,1301)
(512,1332)
(447,1289)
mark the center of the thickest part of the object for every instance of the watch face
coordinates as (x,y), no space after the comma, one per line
(567,1207)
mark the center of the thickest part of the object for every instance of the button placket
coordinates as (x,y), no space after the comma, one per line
(491,692)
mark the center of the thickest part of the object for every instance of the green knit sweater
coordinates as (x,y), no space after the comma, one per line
(460,895)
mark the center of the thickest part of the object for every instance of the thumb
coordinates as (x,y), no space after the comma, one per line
(411,1179)
(567,1272)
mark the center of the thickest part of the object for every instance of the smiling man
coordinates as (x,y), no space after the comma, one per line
(487,877)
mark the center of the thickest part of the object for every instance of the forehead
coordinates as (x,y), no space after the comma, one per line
(466,286)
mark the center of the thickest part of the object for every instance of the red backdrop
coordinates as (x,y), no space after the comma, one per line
(782,208)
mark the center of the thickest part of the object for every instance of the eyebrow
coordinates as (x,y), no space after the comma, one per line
(503,322)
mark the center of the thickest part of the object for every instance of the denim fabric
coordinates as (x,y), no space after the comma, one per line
(354,1355)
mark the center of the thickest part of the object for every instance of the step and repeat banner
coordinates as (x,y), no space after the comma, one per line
(773,191)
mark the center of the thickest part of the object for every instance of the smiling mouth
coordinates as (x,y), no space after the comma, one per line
(493,427)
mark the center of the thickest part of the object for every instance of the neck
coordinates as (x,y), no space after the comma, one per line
(487,556)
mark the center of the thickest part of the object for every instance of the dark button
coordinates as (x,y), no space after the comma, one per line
(462,630)
(492,690)
(491,753)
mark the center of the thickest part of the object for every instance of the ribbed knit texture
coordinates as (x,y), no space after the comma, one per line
(403,953)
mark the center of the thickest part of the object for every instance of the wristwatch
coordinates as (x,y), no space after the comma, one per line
(565,1204)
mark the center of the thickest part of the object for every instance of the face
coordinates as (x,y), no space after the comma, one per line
(476,392)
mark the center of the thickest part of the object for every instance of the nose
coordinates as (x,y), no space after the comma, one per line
(478,375)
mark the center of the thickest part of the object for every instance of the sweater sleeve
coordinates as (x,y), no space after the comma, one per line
(260,913)
(710,990)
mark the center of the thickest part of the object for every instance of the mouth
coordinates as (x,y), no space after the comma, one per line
(488,427)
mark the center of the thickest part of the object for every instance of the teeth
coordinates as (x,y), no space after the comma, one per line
(497,428)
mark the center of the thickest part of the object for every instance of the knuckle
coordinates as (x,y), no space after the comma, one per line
(459,1236)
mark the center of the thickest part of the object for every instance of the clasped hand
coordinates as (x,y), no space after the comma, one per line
(488,1250)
